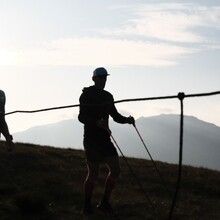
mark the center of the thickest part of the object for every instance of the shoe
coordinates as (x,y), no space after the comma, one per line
(87,210)
(107,208)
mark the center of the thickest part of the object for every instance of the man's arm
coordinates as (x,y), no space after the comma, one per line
(120,118)
(5,131)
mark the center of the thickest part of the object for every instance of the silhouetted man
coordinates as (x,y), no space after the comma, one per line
(3,125)
(96,105)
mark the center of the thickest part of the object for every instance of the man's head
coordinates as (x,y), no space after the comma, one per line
(100,71)
(99,77)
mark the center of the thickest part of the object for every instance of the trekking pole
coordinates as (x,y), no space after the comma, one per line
(161,177)
(132,172)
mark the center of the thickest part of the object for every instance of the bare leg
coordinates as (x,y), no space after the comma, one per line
(114,171)
(93,170)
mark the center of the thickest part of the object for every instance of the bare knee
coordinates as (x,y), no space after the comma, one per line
(115,172)
(114,167)
(93,172)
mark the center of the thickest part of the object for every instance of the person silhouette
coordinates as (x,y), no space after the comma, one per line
(96,105)
(3,124)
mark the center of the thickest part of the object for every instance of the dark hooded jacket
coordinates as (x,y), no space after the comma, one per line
(97,104)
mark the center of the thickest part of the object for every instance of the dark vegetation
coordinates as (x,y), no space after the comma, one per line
(40,182)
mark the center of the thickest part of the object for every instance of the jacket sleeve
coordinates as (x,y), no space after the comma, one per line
(117,117)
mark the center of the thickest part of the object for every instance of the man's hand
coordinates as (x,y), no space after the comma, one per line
(130,120)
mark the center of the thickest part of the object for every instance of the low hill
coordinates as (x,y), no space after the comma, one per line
(201,143)
(45,183)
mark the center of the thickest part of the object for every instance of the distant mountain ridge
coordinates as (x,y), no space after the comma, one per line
(201,145)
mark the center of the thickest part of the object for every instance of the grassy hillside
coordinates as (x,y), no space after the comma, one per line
(39,182)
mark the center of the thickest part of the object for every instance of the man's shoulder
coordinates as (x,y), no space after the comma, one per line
(107,93)
(87,94)
(87,90)
(91,91)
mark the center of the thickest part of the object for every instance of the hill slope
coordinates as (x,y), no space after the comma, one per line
(40,182)
(161,134)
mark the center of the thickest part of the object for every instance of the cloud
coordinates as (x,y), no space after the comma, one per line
(101,51)
(169,22)
(153,35)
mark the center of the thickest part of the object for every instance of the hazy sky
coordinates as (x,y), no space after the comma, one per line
(49,48)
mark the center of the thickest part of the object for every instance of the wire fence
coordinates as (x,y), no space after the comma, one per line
(119,101)
(180,96)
